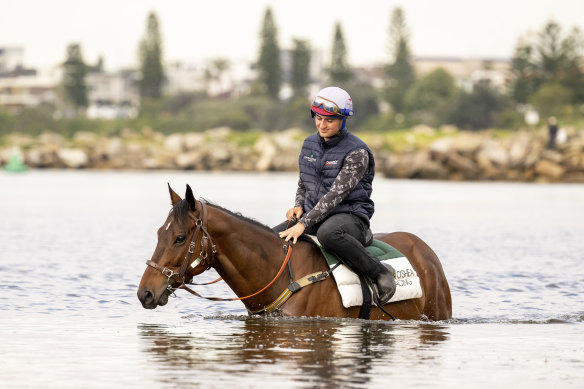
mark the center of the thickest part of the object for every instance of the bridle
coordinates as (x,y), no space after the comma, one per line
(206,241)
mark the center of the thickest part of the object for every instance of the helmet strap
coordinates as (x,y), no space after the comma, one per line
(344,124)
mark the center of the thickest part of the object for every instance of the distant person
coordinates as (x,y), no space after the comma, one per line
(333,198)
(552,132)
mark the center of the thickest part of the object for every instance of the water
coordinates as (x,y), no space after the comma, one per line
(73,246)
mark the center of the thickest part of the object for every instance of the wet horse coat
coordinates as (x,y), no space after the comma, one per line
(249,255)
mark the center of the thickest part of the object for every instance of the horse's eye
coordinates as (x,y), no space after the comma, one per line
(180,239)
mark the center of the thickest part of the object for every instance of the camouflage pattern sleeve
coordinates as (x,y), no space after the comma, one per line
(300,194)
(354,168)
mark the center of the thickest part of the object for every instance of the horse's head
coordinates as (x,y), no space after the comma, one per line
(171,262)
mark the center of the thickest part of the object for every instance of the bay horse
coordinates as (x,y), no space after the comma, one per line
(247,256)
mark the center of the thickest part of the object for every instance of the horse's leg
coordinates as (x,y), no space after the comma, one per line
(436,302)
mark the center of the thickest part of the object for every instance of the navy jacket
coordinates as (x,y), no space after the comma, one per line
(320,162)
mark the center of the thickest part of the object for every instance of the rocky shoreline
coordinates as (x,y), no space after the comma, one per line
(474,156)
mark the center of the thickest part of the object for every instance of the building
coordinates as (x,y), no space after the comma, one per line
(22,87)
(112,95)
(469,71)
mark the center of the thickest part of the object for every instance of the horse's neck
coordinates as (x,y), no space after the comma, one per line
(248,256)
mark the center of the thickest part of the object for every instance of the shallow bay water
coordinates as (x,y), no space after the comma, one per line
(73,246)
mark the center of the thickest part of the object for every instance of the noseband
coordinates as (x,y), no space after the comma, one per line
(206,240)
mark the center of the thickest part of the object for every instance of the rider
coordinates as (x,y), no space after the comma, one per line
(333,199)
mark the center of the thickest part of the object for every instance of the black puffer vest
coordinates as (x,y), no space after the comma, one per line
(320,162)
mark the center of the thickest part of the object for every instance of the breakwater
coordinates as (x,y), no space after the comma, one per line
(450,155)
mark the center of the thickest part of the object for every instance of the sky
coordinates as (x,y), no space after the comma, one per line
(195,30)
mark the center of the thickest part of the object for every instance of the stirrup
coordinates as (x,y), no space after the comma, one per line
(378,303)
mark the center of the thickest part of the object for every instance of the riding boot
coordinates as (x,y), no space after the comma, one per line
(384,284)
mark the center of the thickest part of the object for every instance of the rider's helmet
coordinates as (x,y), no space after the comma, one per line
(332,101)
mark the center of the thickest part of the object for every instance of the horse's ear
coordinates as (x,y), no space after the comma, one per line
(190,198)
(174,198)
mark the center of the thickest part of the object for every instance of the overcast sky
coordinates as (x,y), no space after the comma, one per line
(193,30)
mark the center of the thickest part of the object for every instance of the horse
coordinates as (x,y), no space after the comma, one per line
(247,255)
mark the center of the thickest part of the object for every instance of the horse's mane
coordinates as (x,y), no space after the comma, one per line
(180,212)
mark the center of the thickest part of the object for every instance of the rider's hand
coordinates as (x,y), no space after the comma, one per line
(294,213)
(293,232)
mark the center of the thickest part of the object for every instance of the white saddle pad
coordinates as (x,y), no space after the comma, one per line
(406,280)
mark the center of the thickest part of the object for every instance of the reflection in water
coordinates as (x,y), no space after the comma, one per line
(309,352)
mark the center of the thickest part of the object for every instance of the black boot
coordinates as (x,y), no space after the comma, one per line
(384,284)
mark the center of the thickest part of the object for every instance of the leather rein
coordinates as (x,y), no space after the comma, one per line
(207,246)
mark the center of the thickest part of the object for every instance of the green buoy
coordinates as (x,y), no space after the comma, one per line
(15,164)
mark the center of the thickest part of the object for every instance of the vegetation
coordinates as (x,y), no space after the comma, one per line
(74,71)
(150,52)
(300,77)
(547,71)
(400,72)
(547,74)
(269,67)
(339,71)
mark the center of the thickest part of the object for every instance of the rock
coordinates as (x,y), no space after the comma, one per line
(42,156)
(73,158)
(440,148)
(552,156)
(533,155)
(5,155)
(219,157)
(174,142)
(267,151)
(113,148)
(50,138)
(462,164)
(193,140)
(188,160)
(549,169)
(494,152)
(518,149)
(413,164)
(467,144)
(432,170)
(575,177)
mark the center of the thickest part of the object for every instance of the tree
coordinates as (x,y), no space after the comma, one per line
(525,80)
(549,59)
(479,109)
(432,95)
(150,53)
(300,77)
(339,70)
(269,67)
(401,72)
(551,99)
(74,72)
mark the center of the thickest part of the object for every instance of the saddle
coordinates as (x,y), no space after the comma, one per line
(354,289)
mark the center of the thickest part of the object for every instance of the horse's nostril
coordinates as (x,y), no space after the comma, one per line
(145,297)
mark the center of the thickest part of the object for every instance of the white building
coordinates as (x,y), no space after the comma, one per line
(18,92)
(469,72)
(11,58)
(112,95)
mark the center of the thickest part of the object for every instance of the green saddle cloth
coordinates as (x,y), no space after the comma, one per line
(377,248)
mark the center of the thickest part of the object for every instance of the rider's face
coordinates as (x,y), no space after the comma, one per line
(327,127)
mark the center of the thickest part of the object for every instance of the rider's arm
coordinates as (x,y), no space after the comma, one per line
(354,168)
(300,194)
